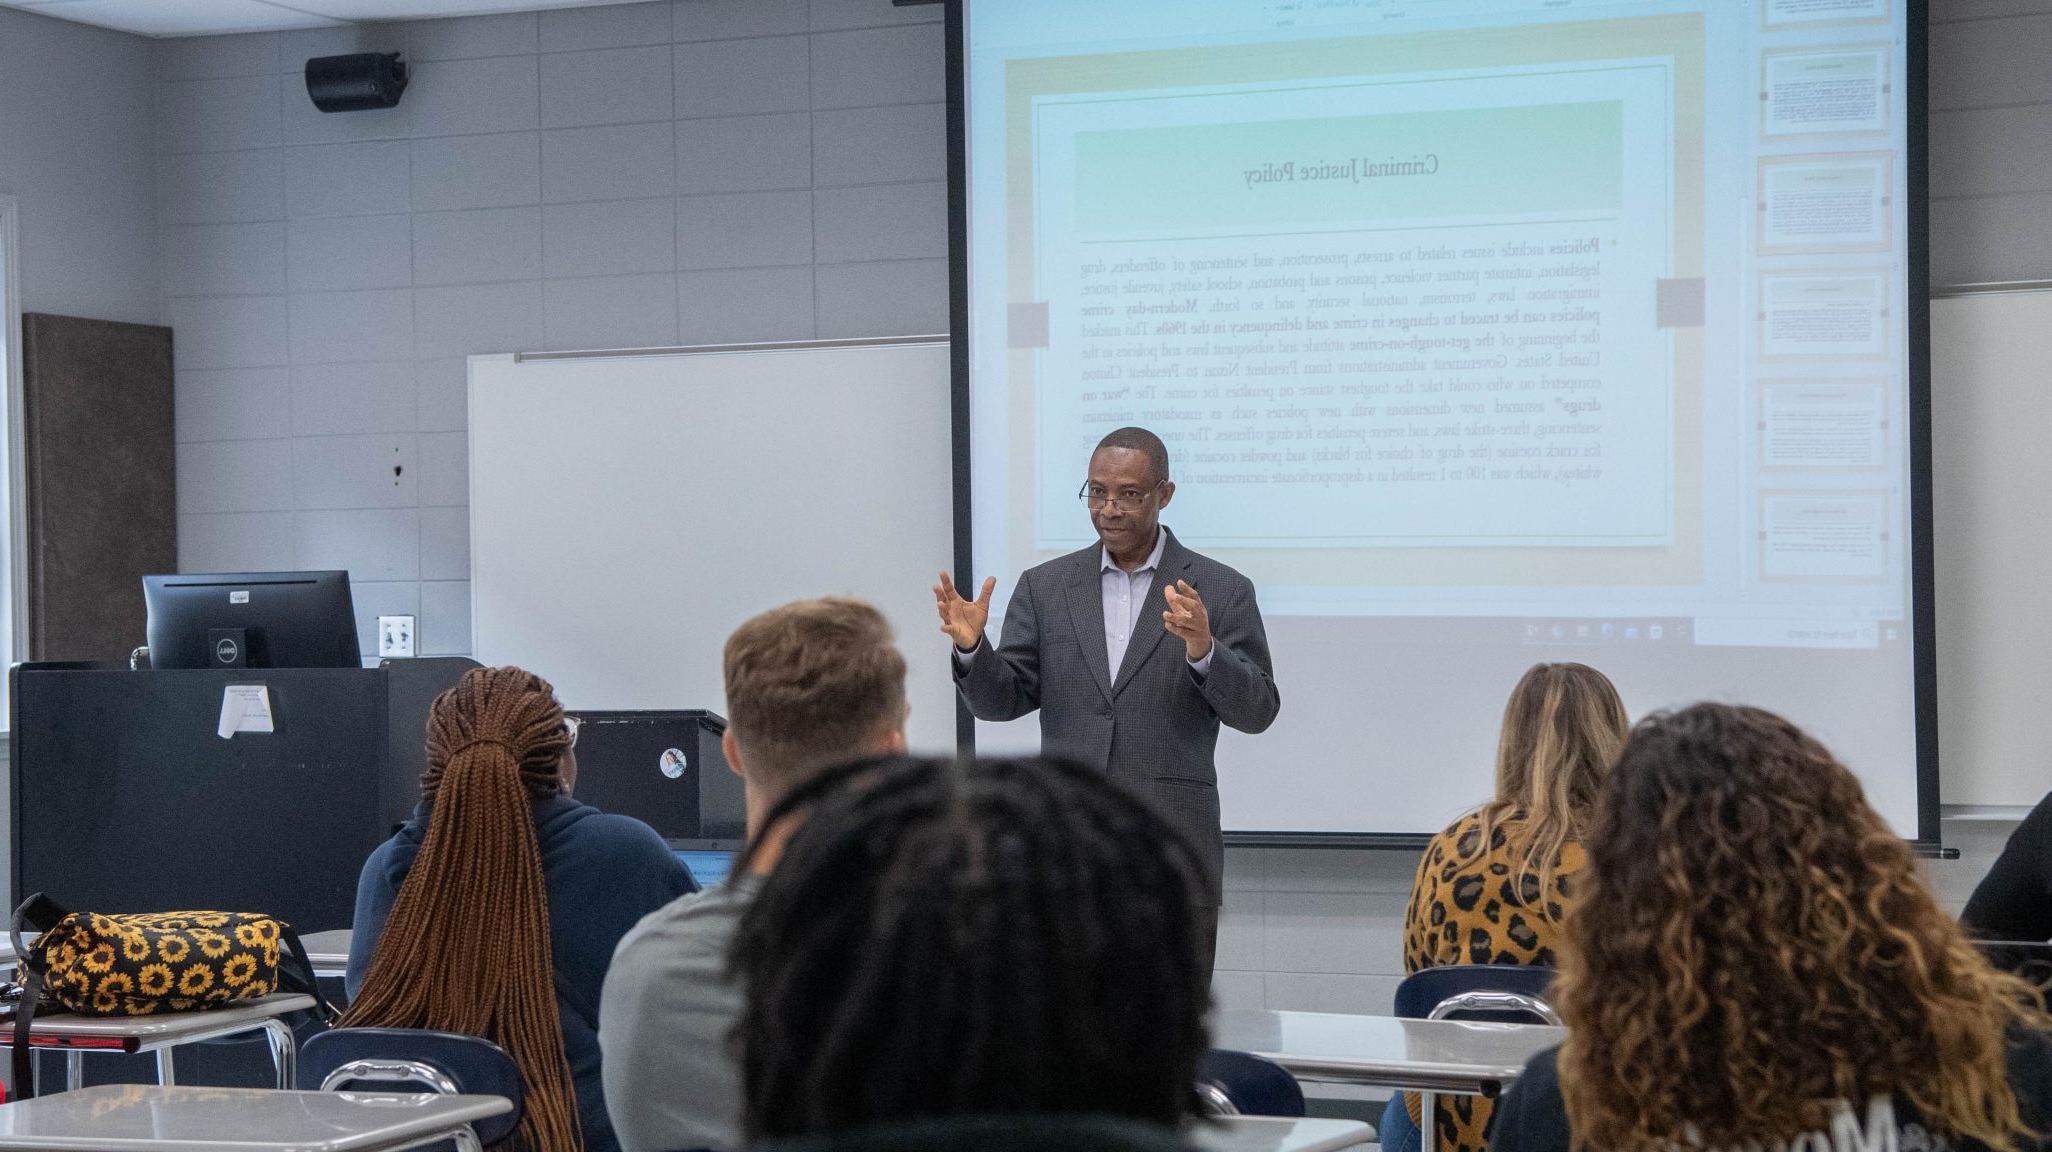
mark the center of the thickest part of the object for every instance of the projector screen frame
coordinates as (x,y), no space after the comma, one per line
(1923,617)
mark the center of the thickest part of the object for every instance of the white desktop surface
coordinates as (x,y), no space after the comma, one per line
(327,951)
(1435,1055)
(167,1028)
(138,1117)
(1279,1134)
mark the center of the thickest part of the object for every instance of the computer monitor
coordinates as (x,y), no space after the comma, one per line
(251,620)
(709,868)
(665,769)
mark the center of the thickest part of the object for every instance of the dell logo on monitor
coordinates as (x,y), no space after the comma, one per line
(227,651)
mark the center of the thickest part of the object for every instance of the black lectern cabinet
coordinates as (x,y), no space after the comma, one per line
(126,798)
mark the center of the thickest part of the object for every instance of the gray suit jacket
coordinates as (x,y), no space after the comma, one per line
(1153,726)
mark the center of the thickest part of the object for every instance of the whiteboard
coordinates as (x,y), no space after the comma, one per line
(1991,448)
(628,511)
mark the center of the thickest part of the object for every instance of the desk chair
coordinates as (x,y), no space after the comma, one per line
(1489,993)
(1242,1084)
(1496,993)
(2030,959)
(388,1059)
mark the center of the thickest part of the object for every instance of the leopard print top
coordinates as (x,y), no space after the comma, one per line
(1465,909)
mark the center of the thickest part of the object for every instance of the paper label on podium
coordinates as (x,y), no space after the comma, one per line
(245,708)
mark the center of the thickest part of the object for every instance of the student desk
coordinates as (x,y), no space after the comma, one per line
(329,952)
(1278,1134)
(148,1118)
(77,1035)
(1386,1052)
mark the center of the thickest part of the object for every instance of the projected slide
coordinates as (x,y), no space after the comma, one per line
(1482,332)
(1406,346)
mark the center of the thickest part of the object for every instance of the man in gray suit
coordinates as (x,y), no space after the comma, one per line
(1080,644)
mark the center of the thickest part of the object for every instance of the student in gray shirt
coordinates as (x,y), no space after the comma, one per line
(809,685)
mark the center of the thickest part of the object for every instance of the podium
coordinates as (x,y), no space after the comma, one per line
(126,799)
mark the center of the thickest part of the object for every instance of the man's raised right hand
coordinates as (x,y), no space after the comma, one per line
(962,619)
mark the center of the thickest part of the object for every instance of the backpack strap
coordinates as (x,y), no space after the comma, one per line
(299,975)
(23,1053)
(38,912)
(41,913)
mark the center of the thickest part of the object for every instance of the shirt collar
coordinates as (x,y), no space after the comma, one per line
(1105,563)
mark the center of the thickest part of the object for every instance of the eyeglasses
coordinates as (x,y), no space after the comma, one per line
(571,724)
(1125,499)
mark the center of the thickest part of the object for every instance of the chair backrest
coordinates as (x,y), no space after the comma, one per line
(1500,993)
(1240,1083)
(2030,959)
(416,1060)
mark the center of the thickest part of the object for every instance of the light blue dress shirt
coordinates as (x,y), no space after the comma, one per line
(1125,597)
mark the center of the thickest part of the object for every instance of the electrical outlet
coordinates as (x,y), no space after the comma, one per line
(395,636)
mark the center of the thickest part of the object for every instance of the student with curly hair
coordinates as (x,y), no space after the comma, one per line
(494,911)
(1754,963)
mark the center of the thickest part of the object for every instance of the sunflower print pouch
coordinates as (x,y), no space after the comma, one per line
(99,965)
(93,964)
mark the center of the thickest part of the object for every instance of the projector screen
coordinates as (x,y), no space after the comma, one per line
(1482,333)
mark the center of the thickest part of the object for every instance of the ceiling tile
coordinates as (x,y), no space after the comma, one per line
(429,9)
(180,17)
(208,17)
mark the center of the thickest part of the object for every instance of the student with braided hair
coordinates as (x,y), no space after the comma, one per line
(494,910)
(1000,954)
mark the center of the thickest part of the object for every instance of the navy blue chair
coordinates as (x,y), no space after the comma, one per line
(1500,993)
(414,1059)
(1242,1084)
(1490,993)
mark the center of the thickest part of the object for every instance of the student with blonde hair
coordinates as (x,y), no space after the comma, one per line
(1493,887)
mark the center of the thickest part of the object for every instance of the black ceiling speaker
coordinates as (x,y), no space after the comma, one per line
(355,83)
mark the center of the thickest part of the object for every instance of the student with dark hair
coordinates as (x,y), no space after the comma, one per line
(2014,900)
(1753,962)
(493,912)
(954,955)
(810,685)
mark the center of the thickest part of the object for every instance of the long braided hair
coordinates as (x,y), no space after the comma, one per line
(988,938)
(467,948)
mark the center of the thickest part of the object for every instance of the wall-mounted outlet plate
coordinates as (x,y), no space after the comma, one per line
(395,636)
